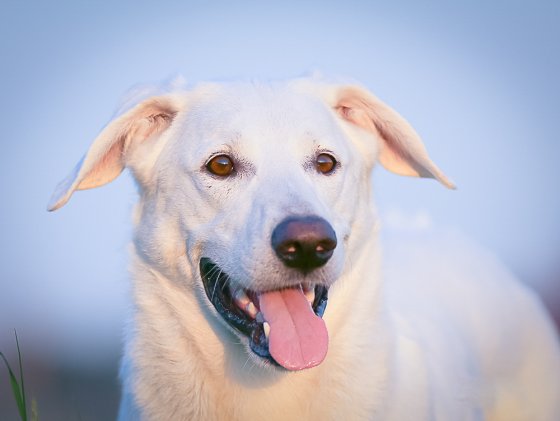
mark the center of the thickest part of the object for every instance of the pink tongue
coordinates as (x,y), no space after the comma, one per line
(298,337)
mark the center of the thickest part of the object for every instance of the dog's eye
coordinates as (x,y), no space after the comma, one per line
(220,165)
(325,163)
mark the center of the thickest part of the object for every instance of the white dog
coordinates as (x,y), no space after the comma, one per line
(256,270)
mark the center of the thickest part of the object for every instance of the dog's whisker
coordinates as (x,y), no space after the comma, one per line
(215,286)
(224,287)
(246,362)
(213,271)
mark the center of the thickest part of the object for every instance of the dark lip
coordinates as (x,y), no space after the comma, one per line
(216,284)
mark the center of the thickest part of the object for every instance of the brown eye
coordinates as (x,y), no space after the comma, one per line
(325,163)
(220,165)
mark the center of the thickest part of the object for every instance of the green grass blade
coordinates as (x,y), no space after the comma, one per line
(34,410)
(16,390)
(21,378)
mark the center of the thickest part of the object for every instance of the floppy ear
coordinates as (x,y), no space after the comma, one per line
(402,150)
(106,157)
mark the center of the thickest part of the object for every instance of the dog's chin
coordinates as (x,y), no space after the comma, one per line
(240,309)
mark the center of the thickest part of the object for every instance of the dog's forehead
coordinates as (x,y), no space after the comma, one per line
(260,114)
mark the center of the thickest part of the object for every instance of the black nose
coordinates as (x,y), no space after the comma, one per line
(304,242)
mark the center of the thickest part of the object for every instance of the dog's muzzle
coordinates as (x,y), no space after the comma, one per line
(284,326)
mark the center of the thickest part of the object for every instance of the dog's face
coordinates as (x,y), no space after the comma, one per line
(270,172)
(257,190)
(249,161)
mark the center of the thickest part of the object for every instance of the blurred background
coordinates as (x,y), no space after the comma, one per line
(478,80)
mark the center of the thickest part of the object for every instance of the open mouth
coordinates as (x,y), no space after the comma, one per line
(283,326)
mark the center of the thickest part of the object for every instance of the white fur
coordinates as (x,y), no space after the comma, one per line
(452,343)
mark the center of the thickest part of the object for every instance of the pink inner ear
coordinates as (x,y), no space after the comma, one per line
(402,151)
(344,111)
(107,155)
(392,156)
(151,123)
(356,115)
(153,119)
(107,168)
(401,146)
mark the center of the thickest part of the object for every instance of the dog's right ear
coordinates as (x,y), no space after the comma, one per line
(107,156)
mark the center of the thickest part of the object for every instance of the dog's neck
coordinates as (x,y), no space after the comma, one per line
(179,343)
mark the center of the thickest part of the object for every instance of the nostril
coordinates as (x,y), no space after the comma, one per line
(288,250)
(304,243)
(327,245)
(291,248)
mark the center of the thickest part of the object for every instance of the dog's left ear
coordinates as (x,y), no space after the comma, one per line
(402,150)
(112,149)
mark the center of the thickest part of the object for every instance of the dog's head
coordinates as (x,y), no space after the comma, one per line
(253,195)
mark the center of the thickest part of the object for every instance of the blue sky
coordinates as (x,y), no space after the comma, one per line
(478,80)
